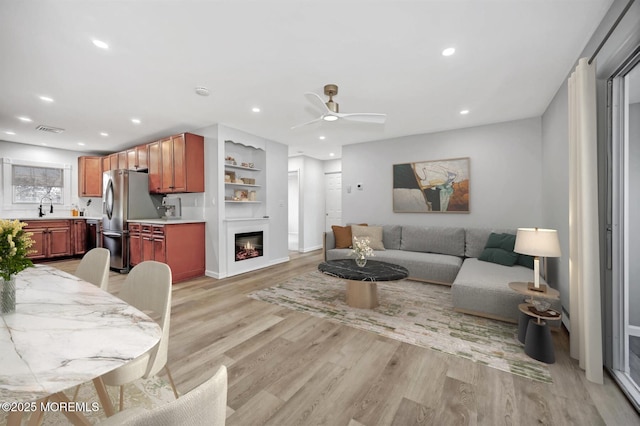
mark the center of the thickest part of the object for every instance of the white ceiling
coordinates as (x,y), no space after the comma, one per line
(385,56)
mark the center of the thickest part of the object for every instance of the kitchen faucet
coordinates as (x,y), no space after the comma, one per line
(40,213)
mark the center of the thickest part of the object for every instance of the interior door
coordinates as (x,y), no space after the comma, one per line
(333,199)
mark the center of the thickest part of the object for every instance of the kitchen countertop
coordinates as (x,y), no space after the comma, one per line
(31,219)
(166,221)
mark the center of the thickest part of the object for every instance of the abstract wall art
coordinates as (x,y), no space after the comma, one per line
(440,186)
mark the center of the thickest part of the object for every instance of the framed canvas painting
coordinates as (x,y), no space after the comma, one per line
(431,186)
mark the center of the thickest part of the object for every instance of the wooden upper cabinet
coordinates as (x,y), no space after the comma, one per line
(122,160)
(155,167)
(113,158)
(182,163)
(137,158)
(106,163)
(90,176)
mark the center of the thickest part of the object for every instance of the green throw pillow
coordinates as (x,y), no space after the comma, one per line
(499,249)
(499,256)
(525,260)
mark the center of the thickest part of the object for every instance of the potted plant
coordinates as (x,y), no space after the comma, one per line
(15,243)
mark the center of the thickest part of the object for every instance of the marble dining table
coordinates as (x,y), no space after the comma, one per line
(64,332)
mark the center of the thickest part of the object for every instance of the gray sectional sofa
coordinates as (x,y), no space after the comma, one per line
(449,255)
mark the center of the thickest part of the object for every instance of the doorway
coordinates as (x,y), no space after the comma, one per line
(294,210)
(624,227)
(333,199)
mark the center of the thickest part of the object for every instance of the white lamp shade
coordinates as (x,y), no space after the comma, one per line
(537,242)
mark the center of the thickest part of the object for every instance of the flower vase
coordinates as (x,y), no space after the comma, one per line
(8,295)
(361,261)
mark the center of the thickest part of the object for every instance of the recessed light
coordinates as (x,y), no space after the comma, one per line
(101,44)
(9,132)
(25,119)
(202,91)
(448,51)
(255,109)
(329,118)
(46,98)
(104,134)
(322,138)
(81,143)
(464,112)
(135,121)
(331,154)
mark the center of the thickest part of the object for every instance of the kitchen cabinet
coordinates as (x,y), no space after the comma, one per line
(79,236)
(137,158)
(106,163)
(155,167)
(122,160)
(89,176)
(52,238)
(178,166)
(179,245)
(113,161)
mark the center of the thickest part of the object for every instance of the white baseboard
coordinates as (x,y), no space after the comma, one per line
(277,261)
(308,249)
(213,274)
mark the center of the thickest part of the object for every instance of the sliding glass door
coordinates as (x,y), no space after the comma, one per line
(624,199)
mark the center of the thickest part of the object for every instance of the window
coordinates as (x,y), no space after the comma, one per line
(25,183)
(31,184)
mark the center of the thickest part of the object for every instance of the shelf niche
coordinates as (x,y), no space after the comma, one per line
(244,180)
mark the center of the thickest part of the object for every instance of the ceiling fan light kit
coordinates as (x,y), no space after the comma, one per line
(331,109)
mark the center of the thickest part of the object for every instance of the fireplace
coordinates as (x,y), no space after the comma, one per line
(248,245)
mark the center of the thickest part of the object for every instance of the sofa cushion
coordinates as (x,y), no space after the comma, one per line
(476,239)
(499,249)
(374,233)
(433,240)
(342,236)
(391,236)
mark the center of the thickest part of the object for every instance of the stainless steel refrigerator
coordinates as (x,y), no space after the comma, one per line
(125,196)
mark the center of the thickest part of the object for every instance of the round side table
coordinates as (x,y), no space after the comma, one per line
(537,340)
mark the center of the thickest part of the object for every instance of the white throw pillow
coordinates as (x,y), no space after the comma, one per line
(374,233)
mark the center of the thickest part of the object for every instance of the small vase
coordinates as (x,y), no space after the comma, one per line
(8,295)
(361,261)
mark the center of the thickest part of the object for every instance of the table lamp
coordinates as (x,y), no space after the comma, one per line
(538,243)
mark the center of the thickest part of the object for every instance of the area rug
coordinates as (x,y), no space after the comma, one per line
(413,312)
(146,394)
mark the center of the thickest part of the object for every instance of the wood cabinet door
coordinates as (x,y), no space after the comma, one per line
(132,161)
(135,249)
(79,237)
(166,149)
(113,161)
(59,242)
(40,239)
(122,160)
(155,165)
(106,163)
(179,164)
(90,176)
(147,247)
(159,252)
(141,155)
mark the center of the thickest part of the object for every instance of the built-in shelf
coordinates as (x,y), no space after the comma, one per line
(242,184)
(242,202)
(231,166)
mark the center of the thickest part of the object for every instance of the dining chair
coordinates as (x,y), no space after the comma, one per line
(204,405)
(94,267)
(148,288)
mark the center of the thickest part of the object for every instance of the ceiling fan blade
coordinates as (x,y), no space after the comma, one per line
(308,122)
(317,101)
(364,117)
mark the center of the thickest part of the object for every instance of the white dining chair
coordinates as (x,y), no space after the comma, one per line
(148,288)
(94,267)
(204,405)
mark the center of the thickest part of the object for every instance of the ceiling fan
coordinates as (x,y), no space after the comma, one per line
(331,112)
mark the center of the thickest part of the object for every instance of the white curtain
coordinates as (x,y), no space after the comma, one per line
(584,247)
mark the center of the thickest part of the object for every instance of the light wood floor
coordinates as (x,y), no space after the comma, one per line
(289,368)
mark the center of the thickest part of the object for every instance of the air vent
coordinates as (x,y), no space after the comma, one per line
(49,129)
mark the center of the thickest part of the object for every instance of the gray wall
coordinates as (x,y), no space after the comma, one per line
(505,175)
